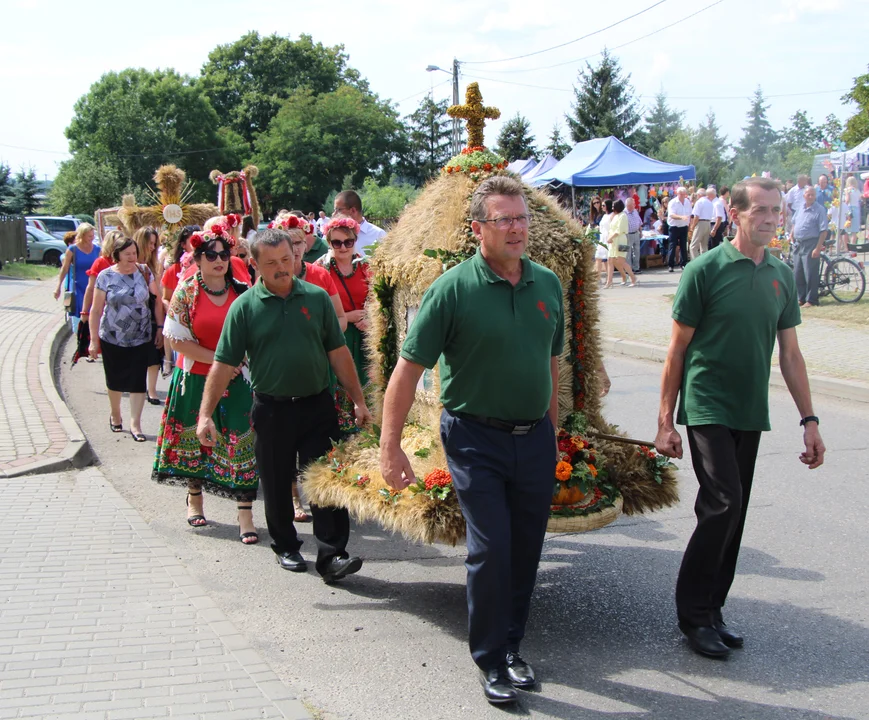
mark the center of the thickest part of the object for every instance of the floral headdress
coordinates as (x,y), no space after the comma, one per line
(218,231)
(342,222)
(290,222)
(232,220)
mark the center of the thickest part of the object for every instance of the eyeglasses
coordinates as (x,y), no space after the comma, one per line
(505,223)
(243,256)
(211,256)
(343,243)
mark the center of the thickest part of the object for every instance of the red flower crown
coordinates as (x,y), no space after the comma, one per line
(218,231)
(233,220)
(342,222)
(290,222)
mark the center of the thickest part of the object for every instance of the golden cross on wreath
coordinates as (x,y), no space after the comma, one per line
(475,113)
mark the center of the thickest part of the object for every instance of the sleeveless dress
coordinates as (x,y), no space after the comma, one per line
(78,275)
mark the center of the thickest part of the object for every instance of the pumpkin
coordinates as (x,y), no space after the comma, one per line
(567,495)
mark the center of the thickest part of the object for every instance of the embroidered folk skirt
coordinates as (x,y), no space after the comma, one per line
(229,468)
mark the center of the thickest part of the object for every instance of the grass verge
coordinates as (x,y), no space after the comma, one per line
(26,271)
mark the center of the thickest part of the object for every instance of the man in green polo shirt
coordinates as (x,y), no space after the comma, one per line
(288,331)
(732,304)
(496,323)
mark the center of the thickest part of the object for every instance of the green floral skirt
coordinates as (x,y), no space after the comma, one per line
(229,468)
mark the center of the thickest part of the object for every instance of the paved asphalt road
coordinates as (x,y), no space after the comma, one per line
(391,641)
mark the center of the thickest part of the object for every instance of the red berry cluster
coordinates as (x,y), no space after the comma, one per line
(437,478)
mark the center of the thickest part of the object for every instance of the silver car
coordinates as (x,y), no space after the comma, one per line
(44,248)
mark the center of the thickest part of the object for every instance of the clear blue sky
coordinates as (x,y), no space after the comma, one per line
(52,52)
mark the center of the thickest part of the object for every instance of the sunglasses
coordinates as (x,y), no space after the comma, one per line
(343,243)
(243,256)
(211,256)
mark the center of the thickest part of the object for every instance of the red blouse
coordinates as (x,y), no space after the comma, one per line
(207,323)
(357,284)
(100,264)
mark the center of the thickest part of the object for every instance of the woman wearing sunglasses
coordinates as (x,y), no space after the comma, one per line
(596,211)
(196,315)
(351,275)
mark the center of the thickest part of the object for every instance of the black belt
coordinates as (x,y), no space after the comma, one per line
(518,428)
(284,398)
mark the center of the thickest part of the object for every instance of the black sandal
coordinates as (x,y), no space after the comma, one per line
(116,428)
(138,437)
(251,536)
(192,520)
(154,401)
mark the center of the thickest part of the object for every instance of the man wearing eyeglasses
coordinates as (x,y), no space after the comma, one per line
(496,324)
(349,204)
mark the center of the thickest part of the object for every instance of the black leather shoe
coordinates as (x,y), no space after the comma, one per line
(497,687)
(519,672)
(341,567)
(728,637)
(705,640)
(294,562)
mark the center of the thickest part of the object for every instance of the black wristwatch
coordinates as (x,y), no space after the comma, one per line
(808,419)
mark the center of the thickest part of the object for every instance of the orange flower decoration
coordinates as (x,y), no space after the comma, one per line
(593,470)
(576,444)
(563,470)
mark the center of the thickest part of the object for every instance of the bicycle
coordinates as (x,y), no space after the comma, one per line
(842,277)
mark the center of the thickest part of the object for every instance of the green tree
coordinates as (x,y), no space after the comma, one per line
(557,147)
(316,140)
(5,189)
(831,130)
(428,131)
(604,104)
(758,134)
(138,120)
(801,133)
(857,126)
(386,202)
(515,140)
(248,80)
(661,121)
(24,200)
(710,146)
(84,184)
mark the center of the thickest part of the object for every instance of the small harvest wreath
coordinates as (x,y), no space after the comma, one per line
(474,160)
(290,222)
(218,231)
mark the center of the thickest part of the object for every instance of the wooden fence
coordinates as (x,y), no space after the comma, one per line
(13,239)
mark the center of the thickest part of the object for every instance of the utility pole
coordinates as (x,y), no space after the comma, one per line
(457,134)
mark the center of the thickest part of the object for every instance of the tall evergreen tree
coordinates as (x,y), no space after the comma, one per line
(24,199)
(758,135)
(661,122)
(429,132)
(604,104)
(5,189)
(557,147)
(711,147)
(515,140)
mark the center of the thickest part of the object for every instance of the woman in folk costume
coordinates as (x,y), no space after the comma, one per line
(196,316)
(352,276)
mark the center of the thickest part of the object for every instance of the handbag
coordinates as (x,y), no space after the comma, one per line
(69,295)
(624,248)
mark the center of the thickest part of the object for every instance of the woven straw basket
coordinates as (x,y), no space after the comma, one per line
(585,523)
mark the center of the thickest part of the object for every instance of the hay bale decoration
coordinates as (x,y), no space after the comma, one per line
(596,479)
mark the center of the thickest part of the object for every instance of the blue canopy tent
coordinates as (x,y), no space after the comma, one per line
(546,164)
(522,166)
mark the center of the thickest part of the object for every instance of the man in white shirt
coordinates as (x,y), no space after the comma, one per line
(794,199)
(349,204)
(719,230)
(701,223)
(678,217)
(321,222)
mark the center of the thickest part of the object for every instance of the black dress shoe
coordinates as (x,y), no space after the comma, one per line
(341,567)
(292,561)
(728,637)
(519,672)
(497,687)
(705,640)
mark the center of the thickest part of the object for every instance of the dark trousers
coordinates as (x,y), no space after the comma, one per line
(678,239)
(504,485)
(716,237)
(723,461)
(807,270)
(283,430)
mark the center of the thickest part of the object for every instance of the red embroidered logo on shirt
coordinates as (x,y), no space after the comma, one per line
(542,306)
(777,288)
(306,313)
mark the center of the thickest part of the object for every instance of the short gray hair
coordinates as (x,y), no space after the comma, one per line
(271,238)
(496,185)
(681,188)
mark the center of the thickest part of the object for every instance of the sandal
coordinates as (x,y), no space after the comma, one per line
(248,538)
(300,515)
(195,520)
(116,428)
(155,401)
(138,437)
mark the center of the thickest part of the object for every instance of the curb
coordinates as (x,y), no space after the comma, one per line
(821,384)
(77,453)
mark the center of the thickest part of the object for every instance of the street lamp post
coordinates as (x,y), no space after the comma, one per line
(457,135)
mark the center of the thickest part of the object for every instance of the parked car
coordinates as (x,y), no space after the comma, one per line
(35,222)
(57,226)
(42,247)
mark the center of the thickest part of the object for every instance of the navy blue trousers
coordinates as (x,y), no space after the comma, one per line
(504,484)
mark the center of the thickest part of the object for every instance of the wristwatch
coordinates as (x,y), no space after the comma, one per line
(808,419)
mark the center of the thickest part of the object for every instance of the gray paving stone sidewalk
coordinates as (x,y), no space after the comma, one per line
(98,620)
(642,314)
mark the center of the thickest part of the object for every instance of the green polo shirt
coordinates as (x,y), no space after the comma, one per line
(736,308)
(285,339)
(318,250)
(494,340)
